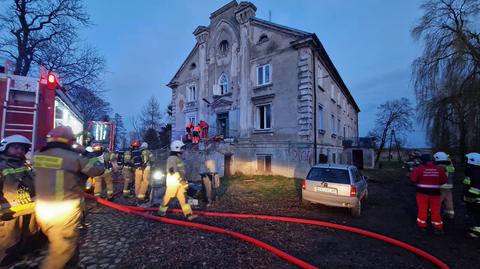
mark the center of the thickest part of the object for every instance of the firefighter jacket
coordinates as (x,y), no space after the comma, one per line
(450,171)
(471,184)
(428,178)
(61,173)
(175,165)
(16,187)
(147,157)
(108,159)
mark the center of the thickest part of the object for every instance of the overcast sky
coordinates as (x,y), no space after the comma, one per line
(369,41)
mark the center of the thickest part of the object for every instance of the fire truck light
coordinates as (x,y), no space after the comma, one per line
(51,79)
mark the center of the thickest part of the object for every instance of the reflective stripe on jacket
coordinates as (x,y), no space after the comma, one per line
(61,174)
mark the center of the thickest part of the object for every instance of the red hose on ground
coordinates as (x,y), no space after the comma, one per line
(389,240)
(135,211)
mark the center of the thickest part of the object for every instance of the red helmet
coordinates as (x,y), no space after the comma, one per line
(62,134)
(135,144)
(97,147)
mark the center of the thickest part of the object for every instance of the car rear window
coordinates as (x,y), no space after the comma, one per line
(329,175)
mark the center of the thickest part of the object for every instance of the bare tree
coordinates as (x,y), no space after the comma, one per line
(392,115)
(90,104)
(120,131)
(447,75)
(151,117)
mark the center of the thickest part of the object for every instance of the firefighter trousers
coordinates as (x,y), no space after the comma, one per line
(127,177)
(13,234)
(175,191)
(473,211)
(61,230)
(447,202)
(424,202)
(142,180)
(108,178)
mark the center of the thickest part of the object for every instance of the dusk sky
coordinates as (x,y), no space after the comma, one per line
(146,41)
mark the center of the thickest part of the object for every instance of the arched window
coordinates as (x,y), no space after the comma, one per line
(223,47)
(223,83)
(263,38)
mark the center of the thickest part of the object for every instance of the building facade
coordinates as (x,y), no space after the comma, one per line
(270,90)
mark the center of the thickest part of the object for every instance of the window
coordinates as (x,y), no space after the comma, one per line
(334,158)
(263,75)
(223,84)
(263,38)
(223,47)
(338,98)
(320,118)
(192,119)
(332,92)
(329,175)
(344,131)
(193,66)
(338,126)
(332,124)
(263,117)
(191,93)
(264,163)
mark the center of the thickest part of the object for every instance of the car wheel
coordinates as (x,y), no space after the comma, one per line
(305,202)
(357,209)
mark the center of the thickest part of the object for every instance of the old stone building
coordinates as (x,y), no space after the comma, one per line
(270,90)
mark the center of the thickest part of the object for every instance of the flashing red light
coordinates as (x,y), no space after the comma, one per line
(304,184)
(51,81)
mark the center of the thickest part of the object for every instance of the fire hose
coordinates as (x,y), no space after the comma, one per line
(137,211)
(278,252)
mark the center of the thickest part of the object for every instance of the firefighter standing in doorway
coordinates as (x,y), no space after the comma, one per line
(442,160)
(128,167)
(142,159)
(16,198)
(59,184)
(110,162)
(176,184)
(428,178)
(471,193)
(196,134)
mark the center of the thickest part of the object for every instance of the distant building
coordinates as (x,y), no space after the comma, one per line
(271,89)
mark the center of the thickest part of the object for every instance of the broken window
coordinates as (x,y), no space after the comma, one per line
(264,163)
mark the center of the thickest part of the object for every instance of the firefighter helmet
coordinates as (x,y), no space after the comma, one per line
(473,158)
(89,149)
(135,144)
(440,156)
(62,134)
(176,146)
(15,139)
(144,145)
(97,147)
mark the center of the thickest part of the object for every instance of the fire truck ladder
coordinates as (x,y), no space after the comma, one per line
(20,108)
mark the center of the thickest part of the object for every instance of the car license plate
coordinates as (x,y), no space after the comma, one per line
(327,190)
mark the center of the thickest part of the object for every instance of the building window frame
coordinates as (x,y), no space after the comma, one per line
(263,112)
(264,74)
(321,118)
(264,163)
(192,92)
(223,84)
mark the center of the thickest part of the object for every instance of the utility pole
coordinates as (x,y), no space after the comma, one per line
(270,15)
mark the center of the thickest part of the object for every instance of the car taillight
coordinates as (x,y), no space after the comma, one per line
(304,184)
(353,191)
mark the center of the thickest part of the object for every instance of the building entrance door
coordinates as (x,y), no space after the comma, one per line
(222,124)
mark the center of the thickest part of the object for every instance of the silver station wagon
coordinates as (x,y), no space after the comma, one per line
(335,185)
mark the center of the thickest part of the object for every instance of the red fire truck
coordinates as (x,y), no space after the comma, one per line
(102,132)
(33,106)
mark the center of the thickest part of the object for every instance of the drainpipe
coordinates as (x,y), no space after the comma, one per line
(314,109)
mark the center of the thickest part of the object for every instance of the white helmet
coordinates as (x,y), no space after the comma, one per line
(89,149)
(176,146)
(440,156)
(14,139)
(473,158)
(144,145)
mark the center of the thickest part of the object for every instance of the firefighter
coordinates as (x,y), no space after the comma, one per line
(411,163)
(128,168)
(142,171)
(204,126)
(471,193)
(61,175)
(196,134)
(428,178)
(176,184)
(442,160)
(16,198)
(110,162)
(189,129)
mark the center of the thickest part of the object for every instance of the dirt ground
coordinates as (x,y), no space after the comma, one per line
(116,240)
